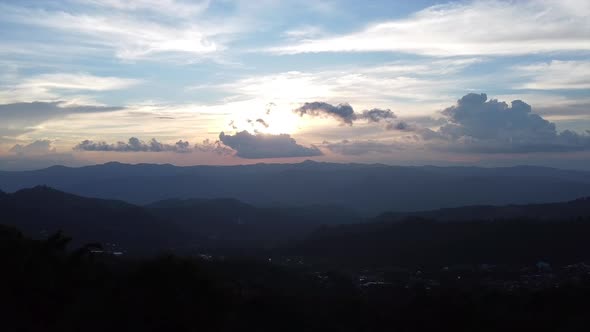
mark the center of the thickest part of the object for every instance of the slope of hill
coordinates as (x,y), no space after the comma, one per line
(178,225)
(556,233)
(235,223)
(547,211)
(42,211)
(370,189)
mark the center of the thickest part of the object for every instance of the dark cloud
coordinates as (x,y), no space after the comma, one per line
(270,107)
(260,146)
(376,115)
(400,125)
(345,113)
(35,148)
(342,112)
(477,124)
(18,118)
(262,122)
(135,145)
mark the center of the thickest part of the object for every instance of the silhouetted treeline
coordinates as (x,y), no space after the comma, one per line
(421,242)
(47,288)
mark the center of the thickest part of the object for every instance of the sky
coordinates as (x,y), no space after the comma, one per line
(485,83)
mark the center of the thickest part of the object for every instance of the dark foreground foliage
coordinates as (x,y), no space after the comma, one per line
(423,242)
(44,287)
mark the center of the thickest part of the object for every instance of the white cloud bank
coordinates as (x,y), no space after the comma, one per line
(484,27)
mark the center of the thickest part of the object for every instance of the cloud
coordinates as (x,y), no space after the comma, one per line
(130,36)
(262,122)
(362,147)
(35,155)
(577,110)
(51,86)
(39,147)
(135,145)
(376,115)
(78,81)
(261,146)
(215,147)
(165,7)
(400,125)
(342,112)
(555,75)
(18,118)
(476,124)
(484,27)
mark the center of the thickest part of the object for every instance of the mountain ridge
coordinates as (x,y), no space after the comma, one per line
(368,188)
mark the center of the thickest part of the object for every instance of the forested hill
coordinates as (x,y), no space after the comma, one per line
(184,226)
(42,211)
(547,211)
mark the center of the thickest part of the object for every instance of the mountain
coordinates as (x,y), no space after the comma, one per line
(369,189)
(178,225)
(119,226)
(555,233)
(547,211)
(235,223)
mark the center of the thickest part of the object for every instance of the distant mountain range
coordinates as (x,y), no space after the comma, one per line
(368,189)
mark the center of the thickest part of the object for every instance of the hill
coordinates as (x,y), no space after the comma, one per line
(555,233)
(547,211)
(187,226)
(231,223)
(119,226)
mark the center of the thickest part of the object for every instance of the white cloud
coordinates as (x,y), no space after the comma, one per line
(78,81)
(167,7)
(130,36)
(556,75)
(484,27)
(46,87)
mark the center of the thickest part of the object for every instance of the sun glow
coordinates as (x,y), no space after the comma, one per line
(280,123)
(271,121)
